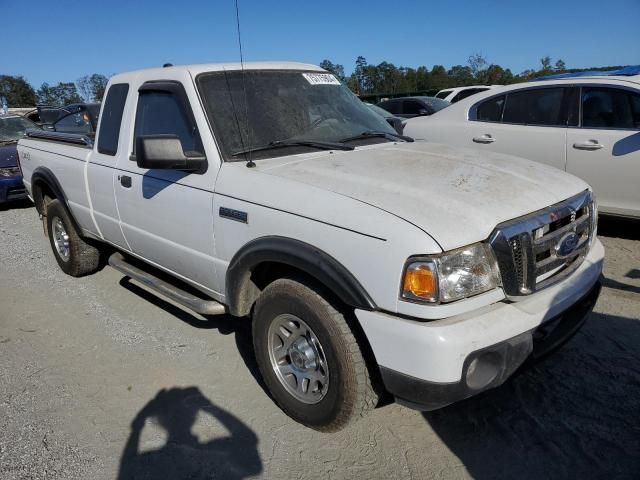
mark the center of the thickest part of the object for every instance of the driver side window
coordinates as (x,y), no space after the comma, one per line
(160,113)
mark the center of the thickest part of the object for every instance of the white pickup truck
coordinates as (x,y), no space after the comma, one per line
(367,263)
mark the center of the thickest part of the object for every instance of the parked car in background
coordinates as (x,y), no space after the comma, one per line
(409,107)
(12,128)
(74,118)
(454,95)
(586,125)
(396,122)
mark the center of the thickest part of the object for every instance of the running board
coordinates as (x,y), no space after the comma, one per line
(186,299)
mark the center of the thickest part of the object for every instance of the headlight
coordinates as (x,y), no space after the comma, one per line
(9,172)
(451,276)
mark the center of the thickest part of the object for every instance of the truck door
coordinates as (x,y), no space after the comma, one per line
(529,123)
(166,215)
(101,165)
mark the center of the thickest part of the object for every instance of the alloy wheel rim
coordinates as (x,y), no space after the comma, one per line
(298,359)
(61,239)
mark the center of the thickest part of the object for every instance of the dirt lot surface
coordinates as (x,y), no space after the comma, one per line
(100,380)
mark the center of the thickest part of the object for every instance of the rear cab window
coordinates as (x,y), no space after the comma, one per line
(109,132)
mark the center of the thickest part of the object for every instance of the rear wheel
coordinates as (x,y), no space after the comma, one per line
(309,358)
(74,255)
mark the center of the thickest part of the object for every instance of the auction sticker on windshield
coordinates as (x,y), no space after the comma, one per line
(321,79)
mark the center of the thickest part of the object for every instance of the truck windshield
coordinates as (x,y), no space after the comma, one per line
(284,106)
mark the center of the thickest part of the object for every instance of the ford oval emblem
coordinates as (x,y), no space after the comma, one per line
(567,244)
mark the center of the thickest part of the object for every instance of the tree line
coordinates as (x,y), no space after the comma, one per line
(386,78)
(19,93)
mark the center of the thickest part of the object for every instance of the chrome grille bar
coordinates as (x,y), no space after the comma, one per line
(529,249)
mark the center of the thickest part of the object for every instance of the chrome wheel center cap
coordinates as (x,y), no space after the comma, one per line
(302,355)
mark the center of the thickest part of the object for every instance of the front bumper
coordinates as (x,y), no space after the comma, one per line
(12,188)
(427,357)
(494,364)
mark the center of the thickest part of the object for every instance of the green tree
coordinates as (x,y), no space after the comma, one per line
(17,91)
(423,78)
(439,78)
(560,66)
(461,75)
(59,95)
(92,87)
(361,75)
(545,63)
(335,68)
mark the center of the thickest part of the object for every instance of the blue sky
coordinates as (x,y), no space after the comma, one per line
(61,40)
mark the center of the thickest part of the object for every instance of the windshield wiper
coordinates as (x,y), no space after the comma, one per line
(294,143)
(373,134)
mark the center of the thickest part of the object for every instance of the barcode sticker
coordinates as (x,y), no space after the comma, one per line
(321,79)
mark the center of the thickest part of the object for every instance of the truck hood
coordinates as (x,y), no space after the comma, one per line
(455,195)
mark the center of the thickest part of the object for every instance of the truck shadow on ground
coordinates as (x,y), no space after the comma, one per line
(574,415)
(183,455)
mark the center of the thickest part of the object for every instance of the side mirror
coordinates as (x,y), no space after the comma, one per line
(165,152)
(423,111)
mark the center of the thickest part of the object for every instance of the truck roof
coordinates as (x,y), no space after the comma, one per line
(196,69)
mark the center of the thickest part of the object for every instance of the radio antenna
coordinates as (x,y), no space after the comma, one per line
(250,162)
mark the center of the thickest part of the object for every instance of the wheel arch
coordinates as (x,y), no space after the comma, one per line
(44,183)
(279,256)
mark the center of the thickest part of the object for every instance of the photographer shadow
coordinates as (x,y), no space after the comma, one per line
(183,455)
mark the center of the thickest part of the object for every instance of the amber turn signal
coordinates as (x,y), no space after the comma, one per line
(420,282)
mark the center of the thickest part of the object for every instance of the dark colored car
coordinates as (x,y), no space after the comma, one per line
(12,128)
(75,118)
(409,107)
(396,122)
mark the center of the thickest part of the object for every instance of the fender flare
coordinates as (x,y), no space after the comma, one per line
(42,175)
(241,293)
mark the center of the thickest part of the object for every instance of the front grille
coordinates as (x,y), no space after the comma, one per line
(540,249)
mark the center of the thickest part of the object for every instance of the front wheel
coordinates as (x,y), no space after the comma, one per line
(309,358)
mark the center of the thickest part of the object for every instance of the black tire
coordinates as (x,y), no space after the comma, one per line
(350,393)
(82,258)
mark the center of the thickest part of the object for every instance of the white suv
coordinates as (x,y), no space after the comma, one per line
(454,95)
(588,126)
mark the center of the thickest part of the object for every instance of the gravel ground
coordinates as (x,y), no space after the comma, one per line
(100,380)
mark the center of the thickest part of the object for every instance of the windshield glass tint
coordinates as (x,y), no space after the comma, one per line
(13,128)
(282,105)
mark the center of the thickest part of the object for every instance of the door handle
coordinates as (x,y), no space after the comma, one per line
(588,145)
(125,181)
(486,138)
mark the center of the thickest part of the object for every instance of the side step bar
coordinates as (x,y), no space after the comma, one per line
(186,299)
